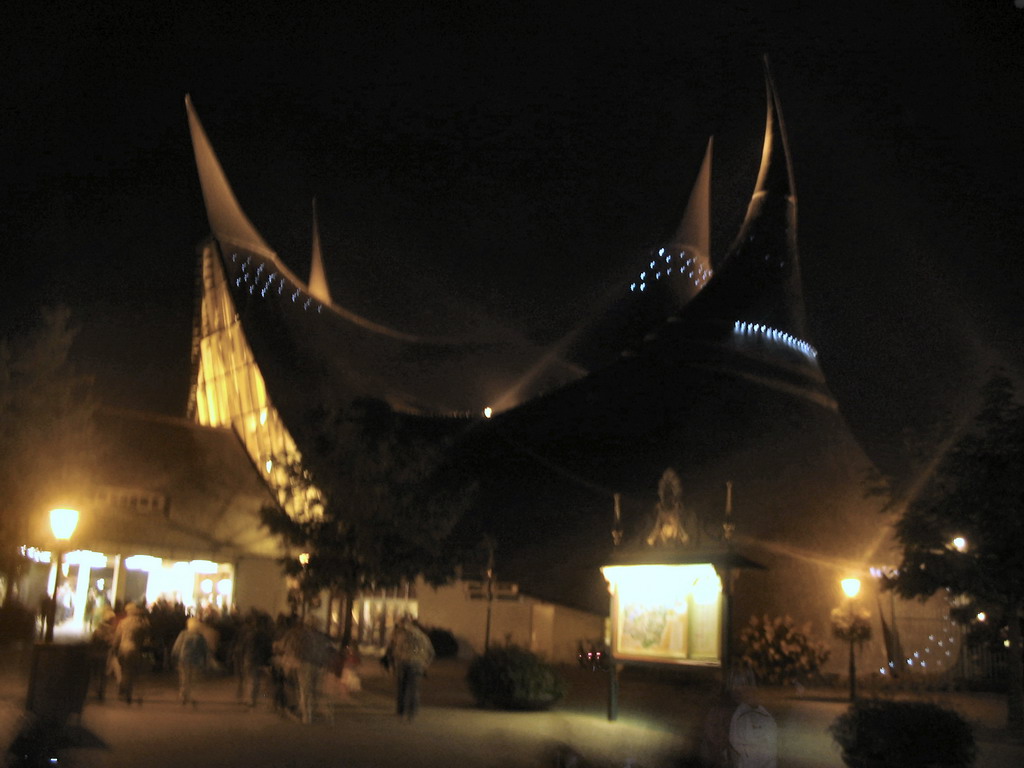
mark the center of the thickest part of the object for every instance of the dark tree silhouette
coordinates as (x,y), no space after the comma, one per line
(385,506)
(976,497)
(47,435)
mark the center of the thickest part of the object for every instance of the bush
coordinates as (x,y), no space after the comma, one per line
(514,678)
(444,642)
(777,653)
(897,734)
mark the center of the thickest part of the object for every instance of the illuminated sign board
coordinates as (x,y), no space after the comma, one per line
(666,613)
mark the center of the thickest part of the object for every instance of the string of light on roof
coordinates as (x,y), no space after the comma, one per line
(255,277)
(771,334)
(666,263)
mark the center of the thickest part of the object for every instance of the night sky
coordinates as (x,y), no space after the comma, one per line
(507,166)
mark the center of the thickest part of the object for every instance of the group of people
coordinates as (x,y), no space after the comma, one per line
(118,643)
(162,637)
(292,654)
(126,641)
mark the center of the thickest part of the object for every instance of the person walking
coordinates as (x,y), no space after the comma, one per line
(410,652)
(252,654)
(191,653)
(306,653)
(99,651)
(130,637)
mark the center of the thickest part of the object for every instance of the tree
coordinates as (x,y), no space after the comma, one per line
(48,438)
(384,508)
(964,530)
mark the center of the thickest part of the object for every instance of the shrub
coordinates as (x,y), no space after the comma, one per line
(444,642)
(777,653)
(514,678)
(902,734)
(851,626)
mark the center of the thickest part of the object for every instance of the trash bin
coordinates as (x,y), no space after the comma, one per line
(58,681)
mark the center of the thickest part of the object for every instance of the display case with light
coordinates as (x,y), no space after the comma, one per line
(666,612)
(670,590)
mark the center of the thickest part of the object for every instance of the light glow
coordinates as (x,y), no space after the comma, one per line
(87,558)
(146,563)
(696,273)
(36,555)
(229,390)
(851,587)
(664,612)
(761,332)
(63,522)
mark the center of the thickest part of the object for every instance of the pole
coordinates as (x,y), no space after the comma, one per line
(51,609)
(490,593)
(613,690)
(853,657)
(853,673)
(725,642)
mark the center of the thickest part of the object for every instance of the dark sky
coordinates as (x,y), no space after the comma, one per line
(516,160)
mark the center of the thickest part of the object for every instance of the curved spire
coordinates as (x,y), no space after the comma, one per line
(683,264)
(228,221)
(775,176)
(766,247)
(318,287)
(758,281)
(694,233)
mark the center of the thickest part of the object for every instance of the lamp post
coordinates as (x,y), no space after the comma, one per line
(304,562)
(489,543)
(852,587)
(62,523)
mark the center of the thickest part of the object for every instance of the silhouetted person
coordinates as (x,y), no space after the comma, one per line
(129,639)
(411,652)
(191,653)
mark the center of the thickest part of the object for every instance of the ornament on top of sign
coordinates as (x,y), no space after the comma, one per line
(673,523)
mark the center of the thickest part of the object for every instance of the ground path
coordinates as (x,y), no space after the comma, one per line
(658,724)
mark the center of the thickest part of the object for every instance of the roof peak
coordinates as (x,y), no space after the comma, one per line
(318,287)
(758,280)
(227,220)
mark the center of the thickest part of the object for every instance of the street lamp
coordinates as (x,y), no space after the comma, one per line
(62,523)
(852,588)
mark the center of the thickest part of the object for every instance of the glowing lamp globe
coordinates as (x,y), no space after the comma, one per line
(851,587)
(63,523)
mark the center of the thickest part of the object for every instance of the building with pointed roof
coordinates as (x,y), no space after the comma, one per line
(171,512)
(723,386)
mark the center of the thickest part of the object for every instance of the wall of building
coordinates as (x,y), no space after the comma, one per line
(260,584)
(553,631)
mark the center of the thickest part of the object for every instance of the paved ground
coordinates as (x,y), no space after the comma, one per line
(658,724)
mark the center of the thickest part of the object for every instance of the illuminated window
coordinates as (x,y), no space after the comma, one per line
(229,388)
